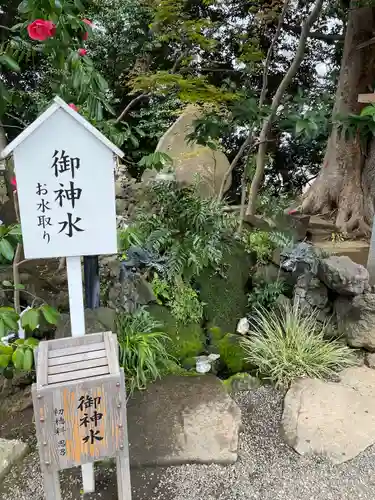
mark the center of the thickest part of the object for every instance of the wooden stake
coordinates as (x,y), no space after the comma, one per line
(77,322)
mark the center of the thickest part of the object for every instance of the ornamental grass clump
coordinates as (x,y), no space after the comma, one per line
(288,343)
(142,349)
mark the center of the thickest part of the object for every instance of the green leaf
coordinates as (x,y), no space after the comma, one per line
(28,360)
(8,284)
(6,349)
(17,358)
(15,230)
(31,342)
(19,342)
(4,360)
(30,319)
(6,249)
(19,287)
(51,315)
(24,7)
(368,111)
(10,62)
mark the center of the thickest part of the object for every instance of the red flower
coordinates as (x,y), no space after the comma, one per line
(40,29)
(73,106)
(86,34)
(13,183)
(291,212)
(82,52)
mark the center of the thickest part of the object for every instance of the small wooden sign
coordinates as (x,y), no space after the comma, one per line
(80,407)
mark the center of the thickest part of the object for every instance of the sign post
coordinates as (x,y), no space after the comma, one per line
(66,190)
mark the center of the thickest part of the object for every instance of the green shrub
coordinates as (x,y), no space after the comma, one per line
(143,353)
(185,305)
(189,231)
(264,295)
(288,344)
(260,243)
(186,341)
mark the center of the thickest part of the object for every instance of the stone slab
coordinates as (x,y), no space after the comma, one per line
(180,420)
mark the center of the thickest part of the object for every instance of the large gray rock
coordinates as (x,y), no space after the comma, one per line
(190,159)
(300,259)
(181,420)
(10,453)
(334,420)
(356,320)
(97,320)
(312,295)
(343,276)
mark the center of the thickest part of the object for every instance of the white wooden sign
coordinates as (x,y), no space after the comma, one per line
(65,181)
(66,191)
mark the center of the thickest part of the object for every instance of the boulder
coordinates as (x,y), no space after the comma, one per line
(181,420)
(225,294)
(96,320)
(355,318)
(192,161)
(343,276)
(312,295)
(10,453)
(334,420)
(300,259)
(370,360)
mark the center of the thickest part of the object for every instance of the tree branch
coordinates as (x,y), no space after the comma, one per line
(131,105)
(263,94)
(317,35)
(276,101)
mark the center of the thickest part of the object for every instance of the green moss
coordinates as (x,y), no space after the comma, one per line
(225,295)
(241,382)
(232,354)
(186,340)
(173,368)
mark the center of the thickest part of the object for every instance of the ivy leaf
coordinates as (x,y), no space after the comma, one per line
(18,358)
(6,249)
(51,315)
(30,319)
(28,360)
(4,360)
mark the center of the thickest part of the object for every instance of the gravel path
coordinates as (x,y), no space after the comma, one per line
(267,469)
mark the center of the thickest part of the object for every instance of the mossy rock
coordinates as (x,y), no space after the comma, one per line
(225,295)
(186,340)
(232,354)
(242,382)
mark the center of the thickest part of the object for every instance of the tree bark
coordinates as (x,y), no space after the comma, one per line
(346,183)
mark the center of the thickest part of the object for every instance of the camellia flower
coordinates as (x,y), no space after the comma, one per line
(86,34)
(73,106)
(82,52)
(40,30)
(13,183)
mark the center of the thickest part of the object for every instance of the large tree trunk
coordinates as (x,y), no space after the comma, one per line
(346,183)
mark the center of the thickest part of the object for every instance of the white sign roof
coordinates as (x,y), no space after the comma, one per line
(58,104)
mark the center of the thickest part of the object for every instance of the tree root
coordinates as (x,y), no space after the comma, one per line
(348,203)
